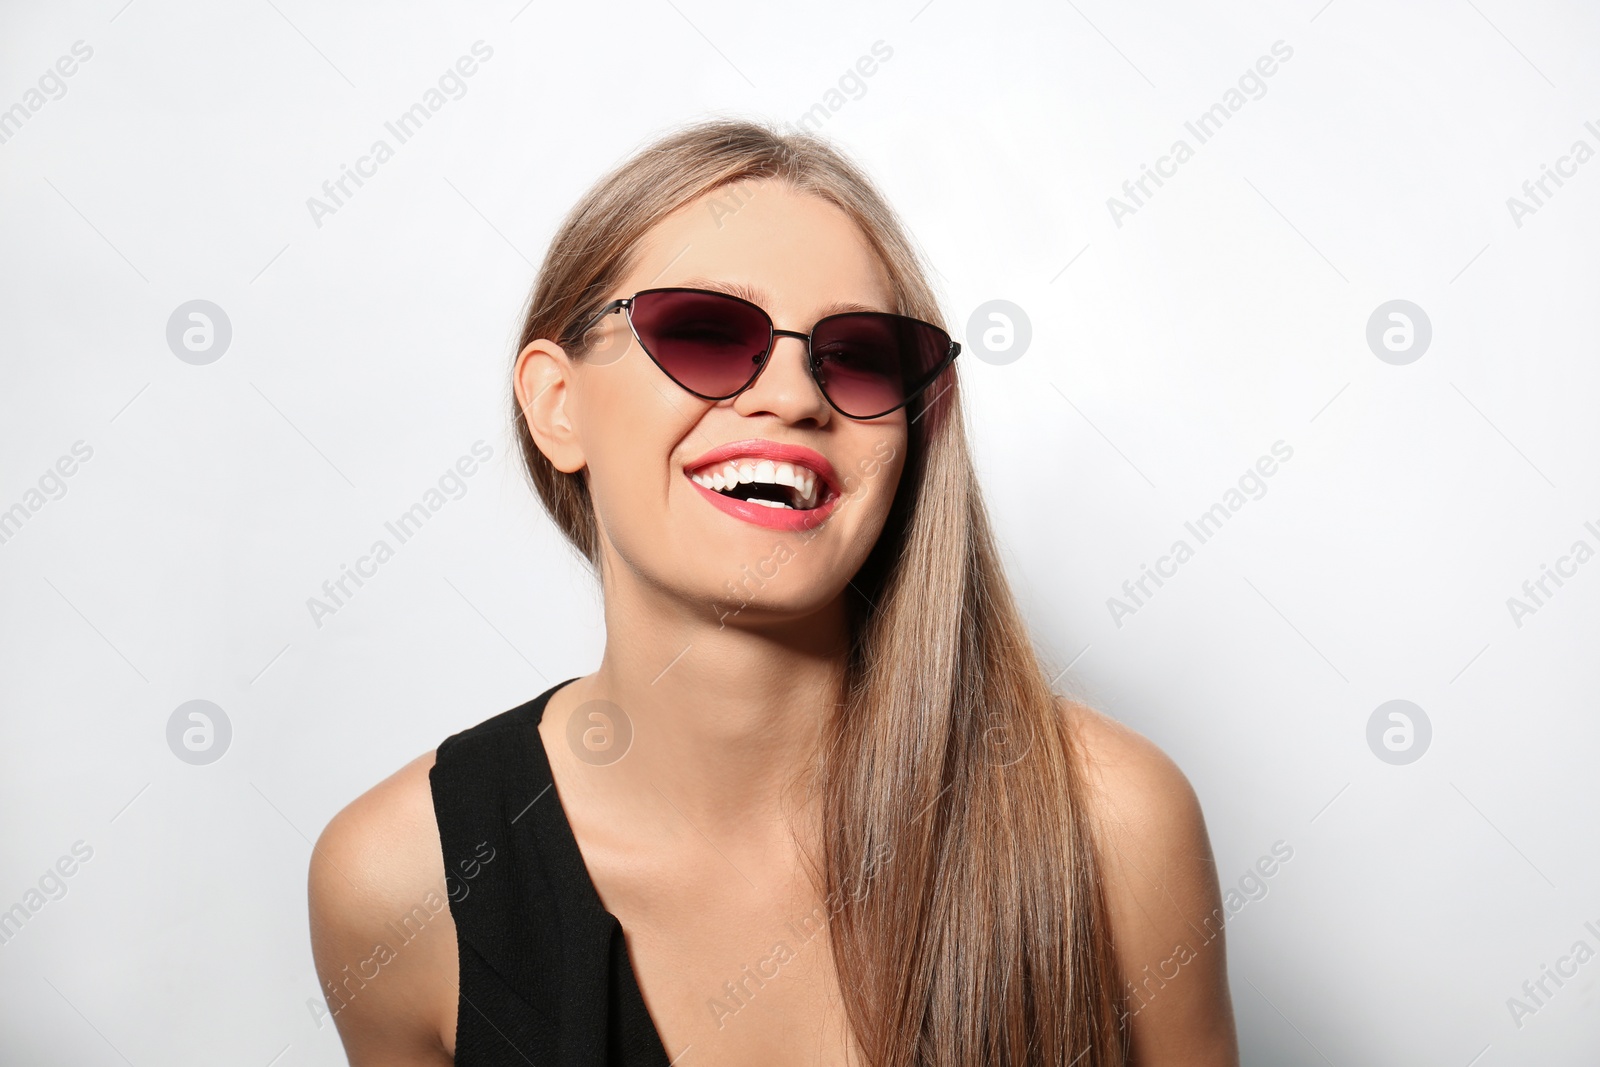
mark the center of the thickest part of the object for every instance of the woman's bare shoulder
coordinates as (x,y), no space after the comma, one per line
(1160,883)
(1135,787)
(381,931)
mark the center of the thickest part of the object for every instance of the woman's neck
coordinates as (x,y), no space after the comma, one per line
(720,719)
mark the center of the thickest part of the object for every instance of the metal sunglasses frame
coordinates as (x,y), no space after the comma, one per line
(764,357)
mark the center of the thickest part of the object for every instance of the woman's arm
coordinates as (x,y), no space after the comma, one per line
(385,950)
(1165,905)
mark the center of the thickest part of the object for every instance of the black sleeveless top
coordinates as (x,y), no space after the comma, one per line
(545,973)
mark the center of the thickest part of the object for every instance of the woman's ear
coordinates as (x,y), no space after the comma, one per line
(542,380)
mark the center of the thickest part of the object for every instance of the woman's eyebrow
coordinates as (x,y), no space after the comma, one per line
(759,298)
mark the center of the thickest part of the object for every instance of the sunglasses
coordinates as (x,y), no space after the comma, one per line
(867,364)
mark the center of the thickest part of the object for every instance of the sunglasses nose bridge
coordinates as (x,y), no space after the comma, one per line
(807,364)
(804,340)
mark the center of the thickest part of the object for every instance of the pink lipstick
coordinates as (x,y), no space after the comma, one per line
(792,473)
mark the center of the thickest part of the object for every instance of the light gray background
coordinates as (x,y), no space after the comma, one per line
(1168,353)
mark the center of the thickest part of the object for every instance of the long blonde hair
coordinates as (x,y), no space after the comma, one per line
(966,918)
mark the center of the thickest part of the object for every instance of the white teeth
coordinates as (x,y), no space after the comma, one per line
(735,472)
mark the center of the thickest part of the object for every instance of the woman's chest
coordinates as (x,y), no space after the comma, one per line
(733,975)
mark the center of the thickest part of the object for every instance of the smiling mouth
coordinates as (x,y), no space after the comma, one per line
(781,485)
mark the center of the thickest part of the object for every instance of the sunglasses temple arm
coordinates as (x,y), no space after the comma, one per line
(602,313)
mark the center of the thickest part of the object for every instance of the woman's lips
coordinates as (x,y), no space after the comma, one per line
(778,452)
(771,518)
(778,518)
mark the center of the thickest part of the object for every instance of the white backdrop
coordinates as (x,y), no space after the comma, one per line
(1174,338)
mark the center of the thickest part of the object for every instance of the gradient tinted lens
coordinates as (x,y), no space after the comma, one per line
(709,343)
(871,362)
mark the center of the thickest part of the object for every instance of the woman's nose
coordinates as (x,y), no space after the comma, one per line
(785,386)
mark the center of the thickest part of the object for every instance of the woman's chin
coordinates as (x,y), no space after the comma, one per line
(752,607)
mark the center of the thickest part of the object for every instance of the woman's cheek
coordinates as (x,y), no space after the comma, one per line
(883,457)
(867,468)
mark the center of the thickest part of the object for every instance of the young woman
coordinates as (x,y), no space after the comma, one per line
(818,804)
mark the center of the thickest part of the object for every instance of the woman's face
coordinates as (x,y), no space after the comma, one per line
(639,437)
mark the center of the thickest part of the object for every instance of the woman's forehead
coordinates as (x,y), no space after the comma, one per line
(779,244)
